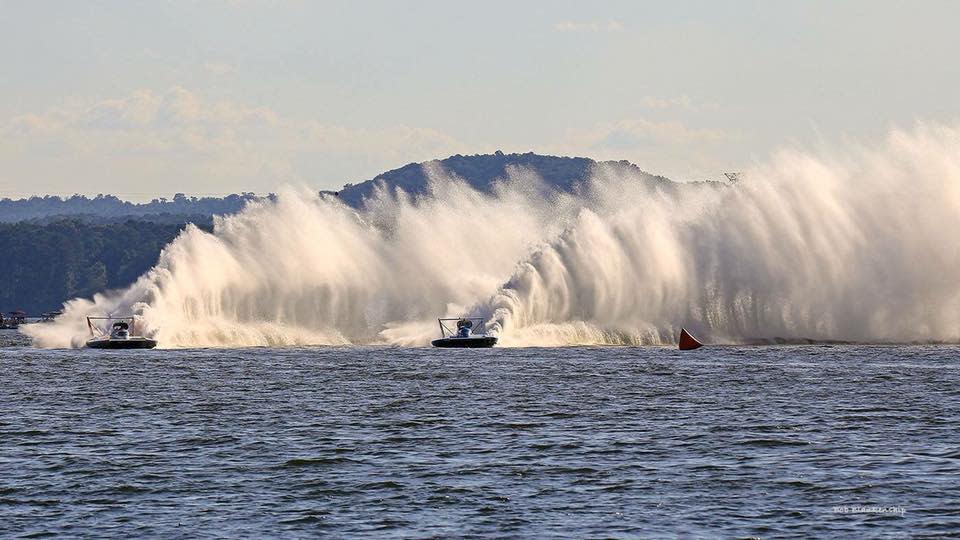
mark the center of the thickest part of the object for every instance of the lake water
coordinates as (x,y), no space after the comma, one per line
(793,441)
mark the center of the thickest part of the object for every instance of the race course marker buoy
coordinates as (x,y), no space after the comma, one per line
(688,342)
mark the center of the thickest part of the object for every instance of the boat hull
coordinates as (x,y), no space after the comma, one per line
(484,342)
(132,343)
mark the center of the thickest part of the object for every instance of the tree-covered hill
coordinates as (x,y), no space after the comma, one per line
(41,266)
(482,170)
(106,207)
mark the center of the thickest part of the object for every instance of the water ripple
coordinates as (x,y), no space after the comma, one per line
(591,442)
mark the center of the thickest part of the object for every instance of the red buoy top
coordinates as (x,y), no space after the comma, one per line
(688,342)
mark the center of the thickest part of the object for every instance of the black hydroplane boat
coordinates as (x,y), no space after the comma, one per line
(120,336)
(466,336)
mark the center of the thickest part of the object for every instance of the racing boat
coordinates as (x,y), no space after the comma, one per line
(13,321)
(466,336)
(120,337)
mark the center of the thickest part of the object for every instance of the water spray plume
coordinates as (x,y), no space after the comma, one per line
(856,245)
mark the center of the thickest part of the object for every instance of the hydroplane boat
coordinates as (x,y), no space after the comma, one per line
(13,320)
(121,335)
(466,336)
(50,316)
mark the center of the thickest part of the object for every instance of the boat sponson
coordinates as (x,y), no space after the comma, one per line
(484,342)
(132,343)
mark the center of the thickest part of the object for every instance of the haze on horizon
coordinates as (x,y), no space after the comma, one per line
(144,99)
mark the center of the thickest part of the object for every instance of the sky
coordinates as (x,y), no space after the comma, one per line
(145,98)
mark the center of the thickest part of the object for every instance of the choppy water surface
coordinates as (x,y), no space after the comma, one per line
(612,442)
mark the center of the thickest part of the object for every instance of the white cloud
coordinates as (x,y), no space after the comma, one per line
(177,140)
(182,139)
(630,133)
(219,68)
(683,102)
(651,102)
(670,147)
(611,25)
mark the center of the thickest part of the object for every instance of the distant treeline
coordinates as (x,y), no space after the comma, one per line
(109,206)
(42,265)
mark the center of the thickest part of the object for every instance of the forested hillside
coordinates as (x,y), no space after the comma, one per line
(41,266)
(482,170)
(110,206)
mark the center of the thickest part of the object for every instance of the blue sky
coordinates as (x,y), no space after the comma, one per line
(146,98)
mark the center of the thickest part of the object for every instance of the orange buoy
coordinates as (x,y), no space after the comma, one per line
(688,342)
